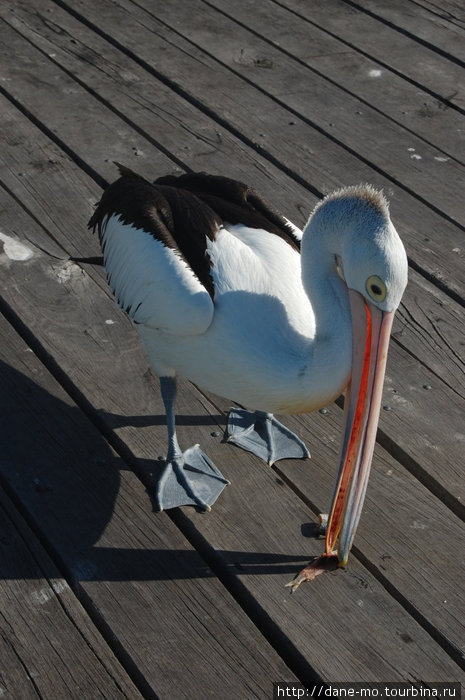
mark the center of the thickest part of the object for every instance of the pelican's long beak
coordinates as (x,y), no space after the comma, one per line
(371,329)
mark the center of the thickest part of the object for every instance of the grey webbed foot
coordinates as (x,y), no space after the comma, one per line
(263,435)
(189,479)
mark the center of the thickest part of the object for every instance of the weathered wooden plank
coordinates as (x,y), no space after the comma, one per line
(190,139)
(118,79)
(422,301)
(391,48)
(446,334)
(273,123)
(406,534)
(342,116)
(451,10)
(431,329)
(105,364)
(353,71)
(420,23)
(171,620)
(49,646)
(242,505)
(242,535)
(248,552)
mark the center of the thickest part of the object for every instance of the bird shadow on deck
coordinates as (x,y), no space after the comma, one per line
(64,479)
(116,420)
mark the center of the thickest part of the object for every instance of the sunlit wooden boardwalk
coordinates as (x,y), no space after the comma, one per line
(100,596)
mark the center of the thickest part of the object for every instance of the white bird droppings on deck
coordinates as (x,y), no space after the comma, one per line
(66,271)
(415,156)
(14,249)
(417,525)
(43,595)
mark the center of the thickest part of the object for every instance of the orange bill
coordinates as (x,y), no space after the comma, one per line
(371,329)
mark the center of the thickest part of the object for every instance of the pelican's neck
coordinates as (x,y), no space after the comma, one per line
(326,370)
(326,290)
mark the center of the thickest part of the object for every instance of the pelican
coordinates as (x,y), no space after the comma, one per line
(229,294)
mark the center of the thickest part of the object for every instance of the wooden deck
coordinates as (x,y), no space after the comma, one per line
(100,596)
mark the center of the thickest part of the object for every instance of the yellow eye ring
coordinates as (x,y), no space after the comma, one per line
(376,288)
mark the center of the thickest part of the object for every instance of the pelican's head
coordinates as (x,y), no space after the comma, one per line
(372,256)
(372,261)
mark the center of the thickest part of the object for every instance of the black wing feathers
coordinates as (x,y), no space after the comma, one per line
(184,212)
(176,218)
(234,202)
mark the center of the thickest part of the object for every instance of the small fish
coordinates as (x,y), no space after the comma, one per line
(325,562)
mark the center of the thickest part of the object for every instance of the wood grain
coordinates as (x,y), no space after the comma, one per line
(426,26)
(106,366)
(388,34)
(164,610)
(269,92)
(334,111)
(397,425)
(49,646)
(310,155)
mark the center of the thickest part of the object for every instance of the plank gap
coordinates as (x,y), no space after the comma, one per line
(441,12)
(421,474)
(15,504)
(430,369)
(53,137)
(37,221)
(278,640)
(291,656)
(405,32)
(225,124)
(123,656)
(407,78)
(416,470)
(121,115)
(455,653)
(68,386)
(97,619)
(333,82)
(301,117)
(440,284)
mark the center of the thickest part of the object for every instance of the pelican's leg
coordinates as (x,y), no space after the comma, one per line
(190,477)
(262,434)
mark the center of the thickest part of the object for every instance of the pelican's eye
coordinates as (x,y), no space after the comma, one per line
(376,288)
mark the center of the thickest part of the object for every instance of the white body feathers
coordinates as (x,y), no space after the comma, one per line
(258,321)
(163,282)
(254,343)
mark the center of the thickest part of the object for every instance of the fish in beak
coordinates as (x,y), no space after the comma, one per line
(371,329)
